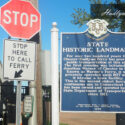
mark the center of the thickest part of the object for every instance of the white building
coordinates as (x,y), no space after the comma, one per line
(46,67)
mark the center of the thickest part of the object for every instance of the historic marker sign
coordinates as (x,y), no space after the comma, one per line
(19,60)
(93,70)
(20,19)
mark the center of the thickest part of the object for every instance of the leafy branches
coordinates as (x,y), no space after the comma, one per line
(81,16)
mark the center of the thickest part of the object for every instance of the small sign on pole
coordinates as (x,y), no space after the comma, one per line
(19,60)
(28,106)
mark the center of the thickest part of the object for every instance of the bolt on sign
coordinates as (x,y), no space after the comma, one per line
(19,60)
(20,19)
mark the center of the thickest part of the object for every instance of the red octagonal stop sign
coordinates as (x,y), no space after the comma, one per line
(20,19)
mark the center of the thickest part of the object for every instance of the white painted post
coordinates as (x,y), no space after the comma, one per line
(33,119)
(54,74)
(18,103)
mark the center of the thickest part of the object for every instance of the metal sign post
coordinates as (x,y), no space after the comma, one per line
(18,103)
(19,64)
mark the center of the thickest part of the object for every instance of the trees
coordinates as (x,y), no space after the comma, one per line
(81,17)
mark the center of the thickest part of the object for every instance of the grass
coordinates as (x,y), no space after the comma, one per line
(62,124)
(59,124)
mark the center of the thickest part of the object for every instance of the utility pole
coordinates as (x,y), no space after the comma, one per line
(38,82)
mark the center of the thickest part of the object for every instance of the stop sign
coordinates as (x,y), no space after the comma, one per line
(20,19)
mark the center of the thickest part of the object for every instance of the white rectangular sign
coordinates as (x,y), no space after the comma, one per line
(28,100)
(19,60)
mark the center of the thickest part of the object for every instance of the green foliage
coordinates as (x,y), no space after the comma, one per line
(81,17)
(62,124)
(49,123)
(95,1)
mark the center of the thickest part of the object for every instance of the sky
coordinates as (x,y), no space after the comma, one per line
(58,11)
(53,11)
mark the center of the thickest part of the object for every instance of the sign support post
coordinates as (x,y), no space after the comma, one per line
(18,103)
(55,74)
(37,90)
(29,20)
(32,90)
